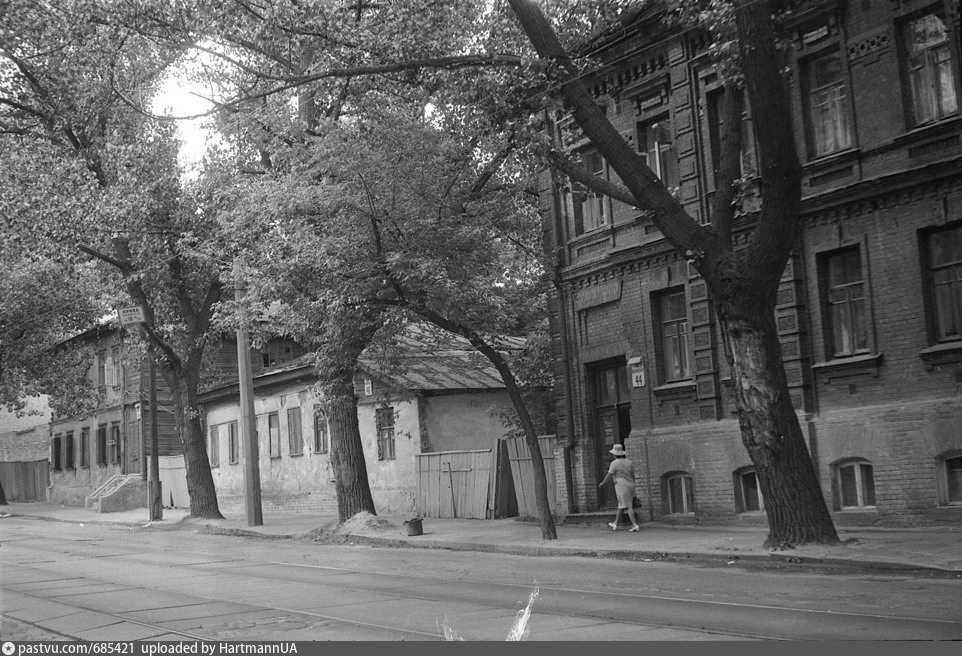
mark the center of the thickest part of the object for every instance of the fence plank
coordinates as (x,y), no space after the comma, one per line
(453,483)
(523,473)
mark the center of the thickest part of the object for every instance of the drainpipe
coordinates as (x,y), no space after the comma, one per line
(571,441)
(558,261)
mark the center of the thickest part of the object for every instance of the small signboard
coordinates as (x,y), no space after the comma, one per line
(133,314)
(368,387)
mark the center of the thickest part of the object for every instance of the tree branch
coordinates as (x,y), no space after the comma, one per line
(186,303)
(452,62)
(729,165)
(649,193)
(125,267)
(139,296)
(780,171)
(580,174)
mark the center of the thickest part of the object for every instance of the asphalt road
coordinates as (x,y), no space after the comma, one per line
(92,582)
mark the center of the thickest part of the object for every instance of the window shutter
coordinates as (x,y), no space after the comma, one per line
(110,373)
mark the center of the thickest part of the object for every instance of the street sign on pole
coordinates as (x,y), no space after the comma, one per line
(130,315)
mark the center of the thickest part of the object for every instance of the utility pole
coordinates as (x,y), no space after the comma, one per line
(154,495)
(248,435)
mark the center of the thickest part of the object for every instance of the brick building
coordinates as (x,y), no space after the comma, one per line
(870,305)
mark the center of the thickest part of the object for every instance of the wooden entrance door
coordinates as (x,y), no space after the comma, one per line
(612,419)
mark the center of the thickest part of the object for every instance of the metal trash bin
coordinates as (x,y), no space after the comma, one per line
(414,527)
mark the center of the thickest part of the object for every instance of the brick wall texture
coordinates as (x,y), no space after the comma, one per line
(895,404)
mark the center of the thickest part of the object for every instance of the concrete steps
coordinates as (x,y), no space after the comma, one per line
(119,492)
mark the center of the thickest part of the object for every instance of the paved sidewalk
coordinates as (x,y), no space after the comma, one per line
(935,548)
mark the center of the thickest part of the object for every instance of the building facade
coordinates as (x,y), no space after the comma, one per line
(870,304)
(88,450)
(425,402)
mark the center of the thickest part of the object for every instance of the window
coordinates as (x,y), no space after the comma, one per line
(847,312)
(295,437)
(677,492)
(274,435)
(950,473)
(945,280)
(384,420)
(279,351)
(115,371)
(828,111)
(113,450)
(84,447)
(588,209)
(233,448)
(57,454)
(102,444)
(855,484)
(931,81)
(68,451)
(213,450)
(655,144)
(101,369)
(320,431)
(748,159)
(673,323)
(748,495)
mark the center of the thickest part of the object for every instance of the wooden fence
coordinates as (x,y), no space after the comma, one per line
(25,481)
(454,484)
(523,475)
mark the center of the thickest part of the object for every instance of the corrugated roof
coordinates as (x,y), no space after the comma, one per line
(427,359)
(439,371)
(430,359)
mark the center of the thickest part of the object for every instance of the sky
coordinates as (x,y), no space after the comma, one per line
(176,98)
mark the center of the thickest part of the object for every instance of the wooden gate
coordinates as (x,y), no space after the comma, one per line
(453,484)
(25,481)
(523,474)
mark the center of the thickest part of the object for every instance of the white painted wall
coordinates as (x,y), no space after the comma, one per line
(393,482)
(467,421)
(292,482)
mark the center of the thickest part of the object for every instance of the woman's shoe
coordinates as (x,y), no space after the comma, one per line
(614,527)
(634,528)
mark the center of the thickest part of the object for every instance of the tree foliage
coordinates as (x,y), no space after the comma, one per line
(43,304)
(89,179)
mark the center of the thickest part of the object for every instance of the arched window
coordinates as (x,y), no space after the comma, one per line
(949,474)
(677,493)
(854,484)
(748,495)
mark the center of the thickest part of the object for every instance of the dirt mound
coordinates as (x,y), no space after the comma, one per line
(364,523)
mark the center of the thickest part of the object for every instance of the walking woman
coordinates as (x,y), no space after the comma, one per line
(623,474)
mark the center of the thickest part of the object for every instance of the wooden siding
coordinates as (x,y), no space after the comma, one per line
(453,484)
(521,471)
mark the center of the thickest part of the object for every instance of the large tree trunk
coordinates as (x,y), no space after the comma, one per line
(349,334)
(200,481)
(770,429)
(347,453)
(548,529)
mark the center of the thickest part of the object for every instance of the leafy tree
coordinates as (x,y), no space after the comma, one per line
(43,304)
(742,283)
(330,54)
(87,178)
(385,215)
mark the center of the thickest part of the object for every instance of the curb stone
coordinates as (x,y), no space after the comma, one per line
(781,558)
